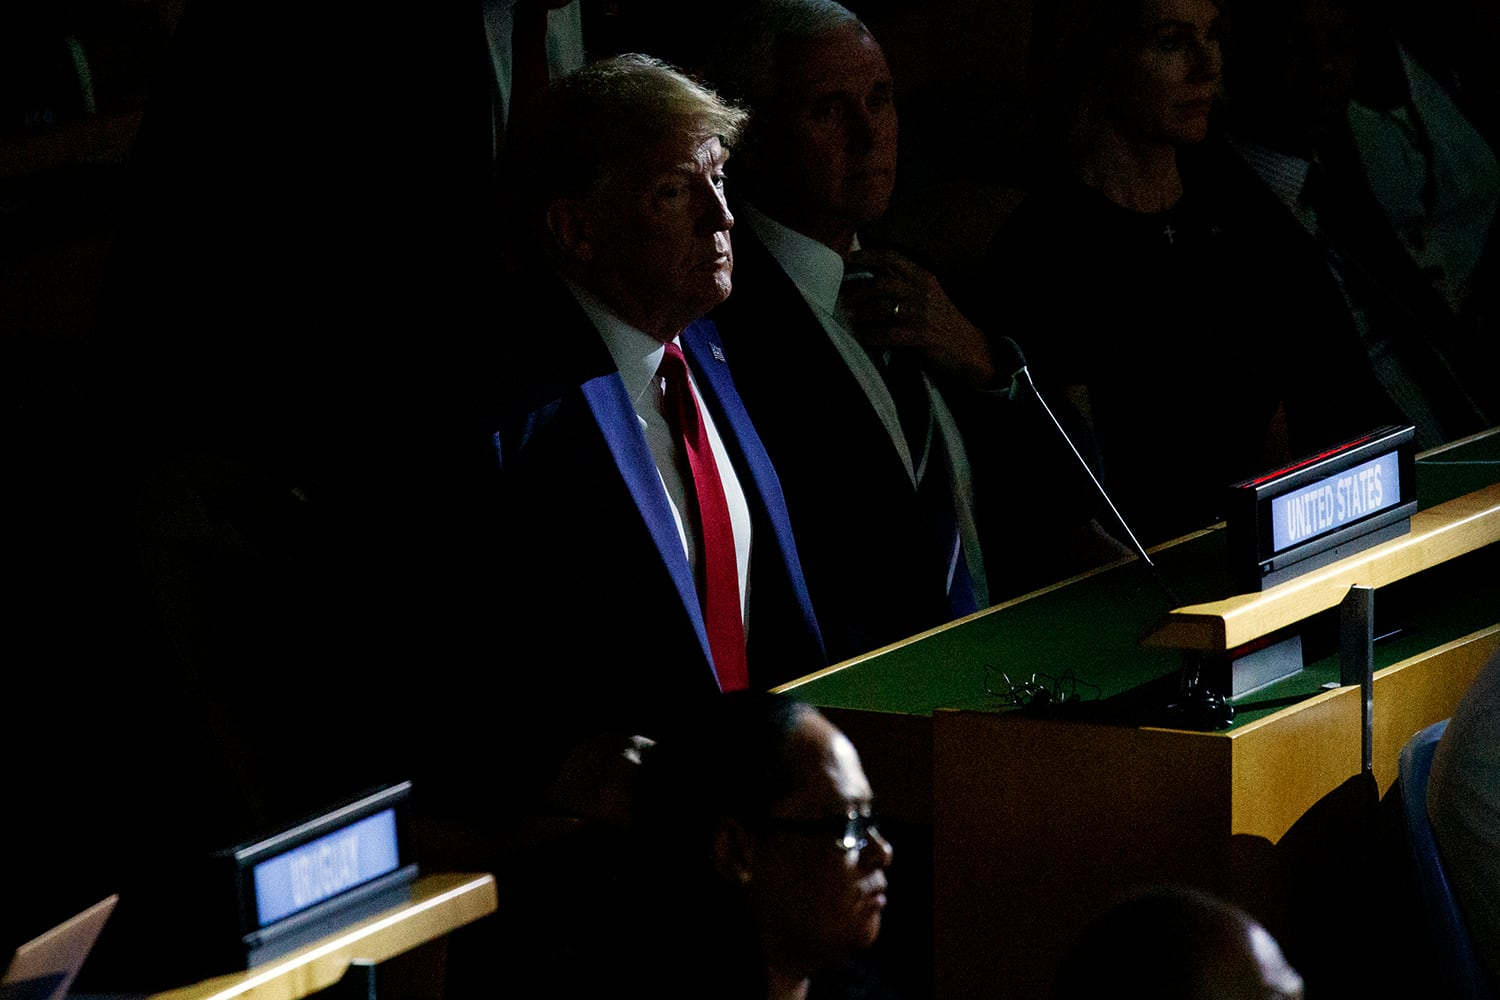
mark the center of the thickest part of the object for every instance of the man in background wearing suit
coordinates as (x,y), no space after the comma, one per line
(529,42)
(1294,74)
(877,399)
(645,546)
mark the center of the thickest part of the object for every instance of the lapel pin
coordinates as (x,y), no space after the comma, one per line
(718,352)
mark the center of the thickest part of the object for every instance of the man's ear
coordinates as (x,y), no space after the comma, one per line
(734,851)
(568,221)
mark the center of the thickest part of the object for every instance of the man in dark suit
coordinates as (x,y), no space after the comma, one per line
(1295,70)
(645,543)
(877,399)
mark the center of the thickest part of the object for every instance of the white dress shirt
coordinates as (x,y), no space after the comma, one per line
(1286,176)
(638,357)
(818,273)
(564,45)
(1435,177)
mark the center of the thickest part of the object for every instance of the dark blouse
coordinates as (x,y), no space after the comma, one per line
(1191,329)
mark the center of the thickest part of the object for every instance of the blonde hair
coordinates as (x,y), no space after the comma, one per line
(596,121)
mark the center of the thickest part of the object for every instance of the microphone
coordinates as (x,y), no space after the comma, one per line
(1197,706)
(1011,357)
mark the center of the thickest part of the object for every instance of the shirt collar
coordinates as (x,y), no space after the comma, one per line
(1284,173)
(816,270)
(636,353)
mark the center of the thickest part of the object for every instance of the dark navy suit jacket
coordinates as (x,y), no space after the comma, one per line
(864,546)
(869,564)
(601,609)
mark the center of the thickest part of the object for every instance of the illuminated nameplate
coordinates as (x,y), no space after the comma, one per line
(320,875)
(1335,502)
(1322,508)
(334,863)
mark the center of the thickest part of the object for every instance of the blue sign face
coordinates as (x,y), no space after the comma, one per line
(323,868)
(1331,503)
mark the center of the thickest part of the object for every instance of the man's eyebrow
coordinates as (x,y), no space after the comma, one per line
(682,166)
(695,166)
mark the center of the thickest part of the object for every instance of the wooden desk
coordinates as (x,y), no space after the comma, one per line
(439,905)
(1038,820)
(1438,534)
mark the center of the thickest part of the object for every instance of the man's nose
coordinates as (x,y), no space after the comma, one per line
(878,853)
(862,128)
(718,217)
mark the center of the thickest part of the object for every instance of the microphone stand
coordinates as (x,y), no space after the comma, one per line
(1197,706)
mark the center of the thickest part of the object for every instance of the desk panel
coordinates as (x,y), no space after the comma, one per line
(1039,819)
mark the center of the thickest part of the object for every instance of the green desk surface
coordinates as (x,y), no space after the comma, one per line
(1462,467)
(1084,635)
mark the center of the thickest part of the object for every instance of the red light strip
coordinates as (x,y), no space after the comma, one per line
(1311,459)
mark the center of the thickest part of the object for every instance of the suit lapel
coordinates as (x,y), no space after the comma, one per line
(758,479)
(701,346)
(821,363)
(617,422)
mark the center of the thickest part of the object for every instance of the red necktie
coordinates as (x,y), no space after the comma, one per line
(719,579)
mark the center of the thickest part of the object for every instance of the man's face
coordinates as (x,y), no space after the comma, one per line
(818,900)
(828,153)
(656,236)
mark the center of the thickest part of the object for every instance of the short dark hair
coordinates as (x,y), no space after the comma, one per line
(1159,938)
(729,760)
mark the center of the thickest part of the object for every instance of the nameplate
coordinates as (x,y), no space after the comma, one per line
(1322,508)
(317,877)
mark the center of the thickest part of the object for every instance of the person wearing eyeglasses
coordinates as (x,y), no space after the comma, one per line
(764,854)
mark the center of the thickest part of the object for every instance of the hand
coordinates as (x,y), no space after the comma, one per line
(904,306)
(598,779)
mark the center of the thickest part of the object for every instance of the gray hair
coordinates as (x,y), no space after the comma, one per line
(749,66)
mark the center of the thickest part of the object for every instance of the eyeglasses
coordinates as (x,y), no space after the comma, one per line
(851,833)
